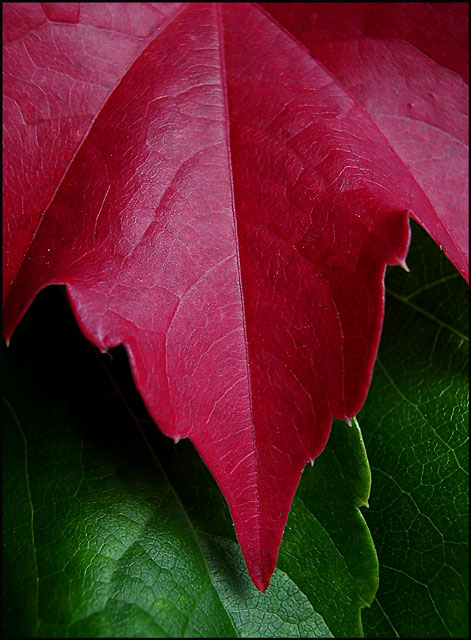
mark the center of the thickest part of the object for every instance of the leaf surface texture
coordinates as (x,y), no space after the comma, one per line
(218,203)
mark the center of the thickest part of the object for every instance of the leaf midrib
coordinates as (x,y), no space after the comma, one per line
(224,87)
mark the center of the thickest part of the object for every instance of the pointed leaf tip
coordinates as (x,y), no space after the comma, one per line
(261,578)
(402,263)
(262,584)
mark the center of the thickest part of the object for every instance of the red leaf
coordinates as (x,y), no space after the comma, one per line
(401,62)
(217,203)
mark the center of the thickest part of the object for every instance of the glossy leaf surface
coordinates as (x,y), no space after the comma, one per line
(407,65)
(104,537)
(415,424)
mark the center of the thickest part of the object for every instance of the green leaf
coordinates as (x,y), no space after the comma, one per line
(339,569)
(105,536)
(415,427)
